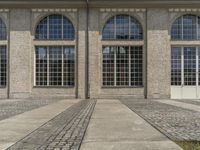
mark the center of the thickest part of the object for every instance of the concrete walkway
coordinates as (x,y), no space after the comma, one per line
(15,128)
(114,126)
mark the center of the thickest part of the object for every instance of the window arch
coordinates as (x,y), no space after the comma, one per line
(3,33)
(122,27)
(55,27)
(186,27)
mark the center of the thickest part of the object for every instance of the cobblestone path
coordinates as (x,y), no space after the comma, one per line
(175,122)
(64,132)
(194,102)
(9,108)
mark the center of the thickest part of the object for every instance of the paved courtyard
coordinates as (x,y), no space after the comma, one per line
(98,124)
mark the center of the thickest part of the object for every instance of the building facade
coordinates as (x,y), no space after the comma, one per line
(100,49)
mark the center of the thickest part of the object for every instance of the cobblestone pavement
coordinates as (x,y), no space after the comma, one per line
(9,108)
(194,102)
(65,131)
(176,123)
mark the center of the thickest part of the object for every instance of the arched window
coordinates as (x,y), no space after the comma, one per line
(3,33)
(55,65)
(122,65)
(186,27)
(55,27)
(122,27)
(3,55)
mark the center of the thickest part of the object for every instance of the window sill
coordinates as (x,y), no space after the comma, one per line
(51,87)
(3,87)
(118,87)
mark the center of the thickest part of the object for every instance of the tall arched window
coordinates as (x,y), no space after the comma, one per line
(55,65)
(185,56)
(122,64)
(186,27)
(3,55)
(122,27)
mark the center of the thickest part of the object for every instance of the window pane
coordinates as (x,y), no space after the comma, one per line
(189,27)
(3,33)
(55,27)
(122,27)
(176,66)
(41,31)
(136,53)
(136,30)
(3,66)
(109,29)
(185,28)
(189,66)
(122,66)
(69,65)
(41,66)
(176,31)
(55,65)
(108,65)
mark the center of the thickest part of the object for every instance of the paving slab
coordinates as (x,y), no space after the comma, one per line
(113,126)
(15,128)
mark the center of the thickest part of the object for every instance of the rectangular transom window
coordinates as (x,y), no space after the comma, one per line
(123,66)
(55,66)
(3,66)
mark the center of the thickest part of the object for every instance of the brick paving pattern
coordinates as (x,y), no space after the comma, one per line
(176,123)
(64,132)
(15,107)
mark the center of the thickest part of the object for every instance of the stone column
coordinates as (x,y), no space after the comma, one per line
(158,54)
(20,53)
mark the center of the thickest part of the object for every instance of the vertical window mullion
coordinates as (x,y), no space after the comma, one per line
(182,66)
(197,26)
(47,65)
(48,27)
(115,27)
(115,76)
(62,28)
(129,27)
(182,28)
(62,66)
(129,54)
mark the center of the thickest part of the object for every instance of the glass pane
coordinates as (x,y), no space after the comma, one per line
(109,29)
(55,27)
(189,66)
(3,66)
(3,33)
(122,66)
(108,65)
(189,27)
(176,31)
(122,27)
(41,31)
(136,66)
(69,66)
(176,66)
(136,30)
(55,65)
(41,66)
